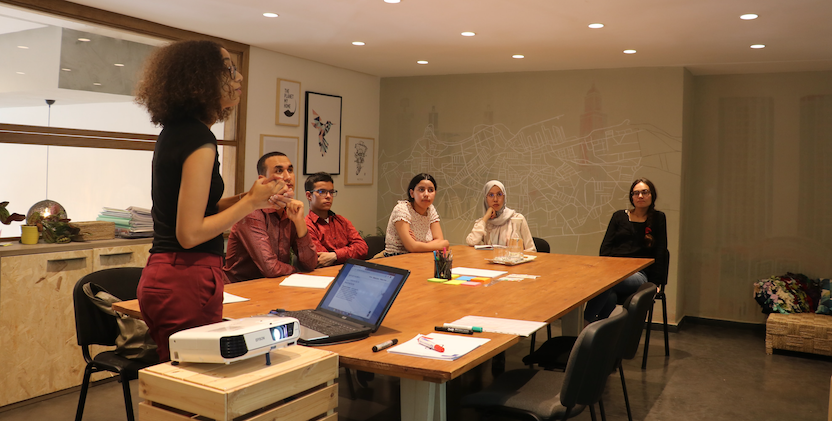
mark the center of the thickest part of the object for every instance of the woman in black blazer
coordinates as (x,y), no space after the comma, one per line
(637,232)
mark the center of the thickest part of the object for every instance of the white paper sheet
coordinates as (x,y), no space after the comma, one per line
(455,346)
(498,325)
(307,281)
(231,298)
(480,273)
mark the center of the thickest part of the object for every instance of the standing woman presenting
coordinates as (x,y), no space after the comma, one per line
(495,227)
(187,87)
(637,232)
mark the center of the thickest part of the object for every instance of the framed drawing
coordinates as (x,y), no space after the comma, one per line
(286,144)
(359,160)
(322,134)
(287,112)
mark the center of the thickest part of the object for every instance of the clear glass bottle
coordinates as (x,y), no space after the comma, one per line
(515,242)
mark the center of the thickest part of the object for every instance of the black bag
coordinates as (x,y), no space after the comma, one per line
(134,341)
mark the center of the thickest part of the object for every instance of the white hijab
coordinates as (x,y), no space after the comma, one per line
(504,214)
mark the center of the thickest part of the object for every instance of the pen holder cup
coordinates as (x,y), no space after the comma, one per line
(442,268)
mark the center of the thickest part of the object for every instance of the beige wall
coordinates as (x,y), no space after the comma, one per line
(566,144)
(757,188)
(360,114)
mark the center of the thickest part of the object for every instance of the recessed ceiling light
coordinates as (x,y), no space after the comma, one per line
(468,34)
(96,84)
(357,43)
(518,56)
(84,39)
(629,51)
(118,65)
(66,69)
(596,25)
(23,47)
(270,15)
(758,46)
(420,61)
(392,1)
(748,16)
(20,73)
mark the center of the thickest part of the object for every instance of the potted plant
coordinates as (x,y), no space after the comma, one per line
(6,218)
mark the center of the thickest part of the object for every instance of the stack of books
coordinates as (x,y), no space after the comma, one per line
(133,222)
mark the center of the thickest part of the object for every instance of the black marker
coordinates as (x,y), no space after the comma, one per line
(453,330)
(384,345)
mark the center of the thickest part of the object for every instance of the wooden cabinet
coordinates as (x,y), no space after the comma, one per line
(37,320)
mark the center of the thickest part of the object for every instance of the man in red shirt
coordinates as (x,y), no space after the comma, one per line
(335,239)
(263,244)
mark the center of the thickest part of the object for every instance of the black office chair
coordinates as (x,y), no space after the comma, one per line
(375,245)
(541,245)
(659,296)
(554,353)
(94,327)
(549,395)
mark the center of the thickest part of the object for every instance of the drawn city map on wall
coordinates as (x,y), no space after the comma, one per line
(565,186)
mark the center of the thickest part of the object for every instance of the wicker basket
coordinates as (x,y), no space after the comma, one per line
(94,230)
(803,332)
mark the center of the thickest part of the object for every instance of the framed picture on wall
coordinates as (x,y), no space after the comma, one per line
(359,160)
(322,134)
(286,144)
(288,103)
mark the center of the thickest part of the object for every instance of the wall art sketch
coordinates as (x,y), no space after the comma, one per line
(287,111)
(322,134)
(359,160)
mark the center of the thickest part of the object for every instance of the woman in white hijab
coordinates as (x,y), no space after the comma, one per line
(495,226)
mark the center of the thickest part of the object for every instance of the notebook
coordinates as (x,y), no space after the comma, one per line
(354,305)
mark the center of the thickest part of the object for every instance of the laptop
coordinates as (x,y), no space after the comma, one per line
(354,305)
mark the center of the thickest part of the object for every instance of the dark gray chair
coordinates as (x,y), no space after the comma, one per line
(541,245)
(94,327)
(665,262)
(375,245)
(551,395)
(554,353)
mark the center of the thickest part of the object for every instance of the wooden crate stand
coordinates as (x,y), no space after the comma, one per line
(298,386)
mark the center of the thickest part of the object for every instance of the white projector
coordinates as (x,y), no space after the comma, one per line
(233,340)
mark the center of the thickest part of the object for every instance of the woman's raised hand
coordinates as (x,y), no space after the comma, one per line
(489,214)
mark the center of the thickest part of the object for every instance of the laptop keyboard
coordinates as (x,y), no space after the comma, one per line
(322,324)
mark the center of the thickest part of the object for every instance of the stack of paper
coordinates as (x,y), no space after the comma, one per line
(455,346)
(306,281)
(498,325)
(133,222)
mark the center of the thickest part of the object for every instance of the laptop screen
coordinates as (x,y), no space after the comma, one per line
(364,291)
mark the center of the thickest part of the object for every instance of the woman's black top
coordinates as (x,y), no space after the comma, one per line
(175,144)
(626,239)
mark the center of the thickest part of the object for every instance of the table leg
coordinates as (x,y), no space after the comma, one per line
(424,401)
(572,323)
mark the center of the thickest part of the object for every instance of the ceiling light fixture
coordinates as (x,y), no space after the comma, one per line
(270,15)
(518,56)
(758,46)
(596,25)
(468,34)
(96,84)
(392,1)
(629,51)
(23,47)
(20,73)
(357,43)
(420,61)
(118,65)
(749,16)
(66,69)
(84,39)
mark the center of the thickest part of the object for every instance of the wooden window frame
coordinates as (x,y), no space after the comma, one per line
(56,136)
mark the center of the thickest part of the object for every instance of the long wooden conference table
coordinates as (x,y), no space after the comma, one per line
(565,283)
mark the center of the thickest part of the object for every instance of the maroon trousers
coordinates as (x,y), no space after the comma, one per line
(179,291)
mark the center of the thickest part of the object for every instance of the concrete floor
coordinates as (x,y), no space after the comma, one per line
(713,373)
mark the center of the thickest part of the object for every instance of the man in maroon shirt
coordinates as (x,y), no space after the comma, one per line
(335,239)
(261,245)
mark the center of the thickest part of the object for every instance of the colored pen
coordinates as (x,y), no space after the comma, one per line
(384,345)
(453,330)
(428,343)
(472,328)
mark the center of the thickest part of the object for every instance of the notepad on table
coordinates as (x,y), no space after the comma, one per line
(498,325)
(231,298)
(483,273)
(307,281)
(455,346)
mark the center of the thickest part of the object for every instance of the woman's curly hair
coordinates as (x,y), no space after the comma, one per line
(185,79)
